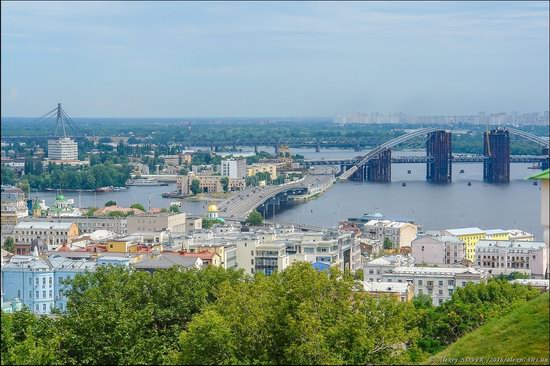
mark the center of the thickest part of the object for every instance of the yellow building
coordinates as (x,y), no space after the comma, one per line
(497,234)
(470,236)
(251,170)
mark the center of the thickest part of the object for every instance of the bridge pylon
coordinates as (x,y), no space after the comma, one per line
(545,162)
(496,151)
(379,168)
(439,153)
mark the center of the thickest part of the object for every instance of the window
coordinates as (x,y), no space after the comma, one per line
(30,281)
(37,294)
(43,280)
(420,291)
(36,308)
(463,283)
(51,293)
(30,294)
(451,282)
(440,283)
(43,307)
(371,271)
(440,301)
(43,294)
(440,292)
(36,281)
(252,253)
(252,261)
(50,280)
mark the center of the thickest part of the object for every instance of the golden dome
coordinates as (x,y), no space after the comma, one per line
(212,208)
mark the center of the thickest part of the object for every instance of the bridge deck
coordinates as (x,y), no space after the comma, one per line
(238,206)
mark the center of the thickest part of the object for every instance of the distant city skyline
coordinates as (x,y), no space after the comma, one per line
(254,59)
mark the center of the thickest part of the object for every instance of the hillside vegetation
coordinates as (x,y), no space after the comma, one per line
(521,337)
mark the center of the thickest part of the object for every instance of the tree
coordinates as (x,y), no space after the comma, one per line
(7,175)
(183,171)
(24,185)
(225,183)
(110,203)
(9,244)
(388,244)
(195,186)
(91,211)
(138,206)
(174,209)
(255,218)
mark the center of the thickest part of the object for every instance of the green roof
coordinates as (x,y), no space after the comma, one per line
(543,175)
(60,197)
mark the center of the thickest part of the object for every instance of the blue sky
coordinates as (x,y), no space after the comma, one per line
(214,59)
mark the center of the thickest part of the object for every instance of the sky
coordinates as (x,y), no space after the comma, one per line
(276,59)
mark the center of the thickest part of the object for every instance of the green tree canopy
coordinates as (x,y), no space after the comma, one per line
(9,244)
(195,186)
(110,203)
(255,218)
(139,206)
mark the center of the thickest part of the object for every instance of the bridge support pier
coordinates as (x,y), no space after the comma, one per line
(256,149)
(318,148)
(545,162)
(439,152)
(379,168)
(276,150)
(357,148)
(496,151)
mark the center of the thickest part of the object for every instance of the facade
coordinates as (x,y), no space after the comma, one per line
(438,250)
(403,292)
(87,225)
(207,183)
(262,168)
(62,149)
(234,168)
(401,234)
(63,207)
(156,222)
(497,234)
(470,236)
(544,177)
(63,270)
(171,160)
(521,235)
(13,209)
(52,234)
(438,283)
(154,262)
(375,269)
(504,257)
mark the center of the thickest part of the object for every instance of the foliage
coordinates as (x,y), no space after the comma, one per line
(88,177)
(183,171)
(388,244)
(255,218)
(91,211)
(24,185)
(521,334)
(119,214)
(298,316)
(138,206)
(110,203)
(207,223)
(174,209)
(9,244)
(7,175)
(195,186)
(514,276)
(225,183)
(29,340)
(470,307)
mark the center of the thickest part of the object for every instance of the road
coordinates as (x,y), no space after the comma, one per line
(238,206)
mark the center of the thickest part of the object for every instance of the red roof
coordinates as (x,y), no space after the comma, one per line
(204,255)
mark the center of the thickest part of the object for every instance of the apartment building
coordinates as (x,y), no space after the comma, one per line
(207,183)
(262,168)
(504,257)
(52,234)
(13,207)
(438,250)
(373,270)
(521,235)
(88,225)
(403,292)
(234,168)
(470,236)
(438,283)
(401,234)
(62,149)
(156,223)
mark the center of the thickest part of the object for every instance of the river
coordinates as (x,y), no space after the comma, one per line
(488,206)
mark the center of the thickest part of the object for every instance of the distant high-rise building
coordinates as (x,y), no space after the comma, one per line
(234,168)
(62,148)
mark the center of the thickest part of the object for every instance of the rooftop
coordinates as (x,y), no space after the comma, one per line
(43,225)
(466,231)
(385,286)
(511,244)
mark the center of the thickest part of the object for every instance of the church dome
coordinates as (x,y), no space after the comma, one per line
(212,208)
(60,197)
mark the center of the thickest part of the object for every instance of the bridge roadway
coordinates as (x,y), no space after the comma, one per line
(424,159)
(239,205)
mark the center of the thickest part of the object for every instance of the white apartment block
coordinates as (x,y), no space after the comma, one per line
(62,149)
(156,222)
(373,270)
(234,168)
(400,233)
(515,234)
(52,233)
(504,257)
(438,283)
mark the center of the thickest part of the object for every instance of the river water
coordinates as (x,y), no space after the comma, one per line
(488,206)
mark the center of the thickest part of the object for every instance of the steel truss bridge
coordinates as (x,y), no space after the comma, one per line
(425,159)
